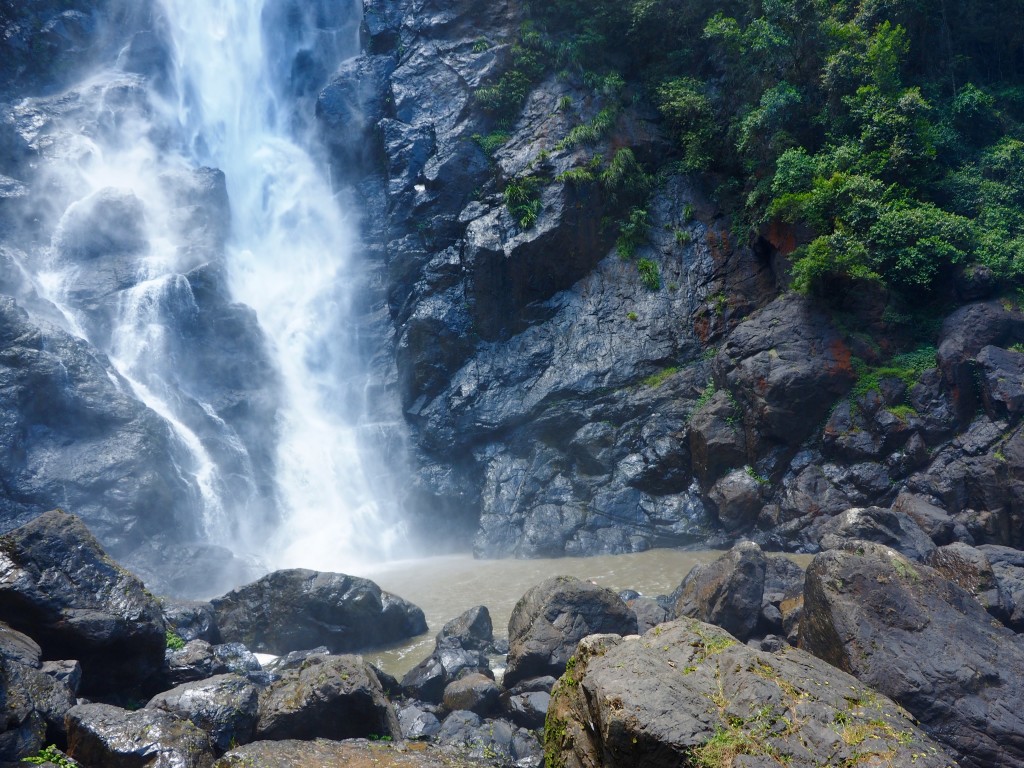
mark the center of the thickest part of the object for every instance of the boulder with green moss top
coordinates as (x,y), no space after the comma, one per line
(906,630)
(687,693)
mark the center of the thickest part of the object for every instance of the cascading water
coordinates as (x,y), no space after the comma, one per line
(289,257)
(231,100)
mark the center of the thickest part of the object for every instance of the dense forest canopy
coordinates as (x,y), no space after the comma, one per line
(888,132)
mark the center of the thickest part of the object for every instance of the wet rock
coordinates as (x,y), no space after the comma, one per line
(472,630)
(551,618)
(738,499)
(527,709)
(417,723)
(350,108)
(883,526)
(57,583)
(902,628)
(336,697)
(34,707)
(449,661)
(473,692)
(717,443)
(726,592)
(225,706)
(964,334)
(68,672)
(199,660)
(786,366)
(191,619)
(18,647)
(648,700)
(296,609)
(99,734)
(1002,382)
(489,738)
(321,752)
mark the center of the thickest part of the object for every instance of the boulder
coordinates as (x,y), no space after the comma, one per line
(1008,570)
(18,647)
(726,592)
(417,723)
(930,518)
(57,583)
(717,443)
(687,693)
(296,609)
(970,569)
(225,706)
(473,692)
(648,611)
(472,630)
(449,661)
(102,735)
(492,739)
(526,709)
(199,660)
(34,705)
(191,619)
(783,593)
(902,628)
(321,752)
(329,697)
(551,618)
(883,526)
(738,498)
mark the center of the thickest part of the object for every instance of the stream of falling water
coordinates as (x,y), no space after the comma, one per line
(289,257)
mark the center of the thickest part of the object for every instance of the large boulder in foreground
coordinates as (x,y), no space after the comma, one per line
(688,694)
(298,609)
(902,628)
(58,585)
(102,735)
(326,697)
(225,706)
(321,752)
(551,618)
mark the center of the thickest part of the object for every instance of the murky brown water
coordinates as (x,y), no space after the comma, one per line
(444,587)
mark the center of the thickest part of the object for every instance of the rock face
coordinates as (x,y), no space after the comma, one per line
(225,707)
(99,734)
(335,697)
(57,583)
(551,618)
(686,693)
(299,609)
(903,629)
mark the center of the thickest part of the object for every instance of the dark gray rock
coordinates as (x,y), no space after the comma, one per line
(472,630)
(296,609)
(932,519)
(969,569)
(883,526)
(651,697)
(322,752)
(417,723)
(527,710)
(717,442)
(449,660)
(473,692)
(649,612)
(737,498)
(551,618)
(34,707)
(18,647)
(488,738)
(1002,382)
(57,583)
(99,734)
(225,706)
(902,628)
(330,697)
(726,592)
(785,365)
(191,619)
(199,660)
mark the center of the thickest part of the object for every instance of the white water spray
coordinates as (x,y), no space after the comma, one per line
(288,258)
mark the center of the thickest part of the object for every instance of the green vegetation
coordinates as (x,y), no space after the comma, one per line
(493,141)
(522,197)
(49,754)
(892,132)
(659,378)
(174,641)
(650,274)
(906,367)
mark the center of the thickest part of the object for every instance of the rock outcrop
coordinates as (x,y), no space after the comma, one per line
(902,628)
(550,619)
(300,609)
(687,693)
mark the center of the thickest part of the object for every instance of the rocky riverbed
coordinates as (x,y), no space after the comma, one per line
(887,650)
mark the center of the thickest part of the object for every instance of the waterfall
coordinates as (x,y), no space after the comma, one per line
(237,97)
(290,256)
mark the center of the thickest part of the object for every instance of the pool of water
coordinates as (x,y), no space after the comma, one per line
(444,587)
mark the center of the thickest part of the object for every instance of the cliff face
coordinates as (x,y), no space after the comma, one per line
(579,405)
(574,354)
